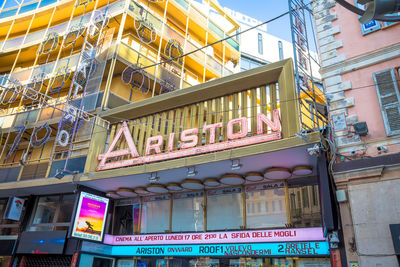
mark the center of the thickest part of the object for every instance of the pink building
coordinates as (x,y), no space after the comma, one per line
(360,70)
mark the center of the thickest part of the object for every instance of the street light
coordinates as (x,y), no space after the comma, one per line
(375,9)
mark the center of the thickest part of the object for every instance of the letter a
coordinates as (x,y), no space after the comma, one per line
(131,150)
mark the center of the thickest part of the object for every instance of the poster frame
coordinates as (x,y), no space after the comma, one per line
(77,209)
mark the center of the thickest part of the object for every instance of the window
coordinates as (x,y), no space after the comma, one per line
(388,96)
(303,214)
(7,227)
(264,217)
(226,204)
(187,212)
(126,217)
(280,47)
(259,207)
(52,213)
(155,214)
(304,192)
(260,44)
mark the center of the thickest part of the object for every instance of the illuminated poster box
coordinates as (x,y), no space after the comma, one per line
(90,217)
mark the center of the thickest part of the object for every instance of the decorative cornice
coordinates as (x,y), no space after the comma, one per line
(361,61)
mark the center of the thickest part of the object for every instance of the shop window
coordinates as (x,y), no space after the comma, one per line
(226,204)
(45,209)
(52,213)
(155,214)
(7,227)
(266,217)
(67,206)
(188,212)
(304,192)
(302,213)
(126,217)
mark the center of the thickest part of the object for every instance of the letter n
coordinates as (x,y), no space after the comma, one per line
(131,150)
(261,118)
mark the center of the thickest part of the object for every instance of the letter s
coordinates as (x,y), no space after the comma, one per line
(189,138)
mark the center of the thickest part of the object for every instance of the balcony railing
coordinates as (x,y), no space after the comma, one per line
(36,37)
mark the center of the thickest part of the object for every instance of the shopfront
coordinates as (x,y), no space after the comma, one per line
(207,228)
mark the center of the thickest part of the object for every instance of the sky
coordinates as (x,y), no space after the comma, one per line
(264,10)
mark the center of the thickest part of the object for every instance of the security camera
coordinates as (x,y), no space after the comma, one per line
(313,150)
(382,149)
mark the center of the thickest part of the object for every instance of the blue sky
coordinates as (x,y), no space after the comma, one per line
(264,10)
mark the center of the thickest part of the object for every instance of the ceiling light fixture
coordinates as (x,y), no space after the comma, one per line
(232,179)
(211,182)
(277,173)
(126,192)
(254,177)
(157,188)
(192,184)
(174,187)
(141,191)
(112,194)
(302,170)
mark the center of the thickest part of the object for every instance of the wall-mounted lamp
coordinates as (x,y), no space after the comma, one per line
(191,171)
(61,173)
(236,164)
(153,177)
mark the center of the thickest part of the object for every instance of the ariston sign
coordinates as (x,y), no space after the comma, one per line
(189,142)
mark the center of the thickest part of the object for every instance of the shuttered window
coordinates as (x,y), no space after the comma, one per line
(388,95)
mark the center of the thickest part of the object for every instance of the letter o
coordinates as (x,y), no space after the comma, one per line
(60,140)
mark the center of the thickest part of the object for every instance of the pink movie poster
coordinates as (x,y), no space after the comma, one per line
(90,217)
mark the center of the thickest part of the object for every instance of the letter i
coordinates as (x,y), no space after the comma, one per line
(171,142)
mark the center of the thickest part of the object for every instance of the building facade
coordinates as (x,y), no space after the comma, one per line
(121,147)
(360,70)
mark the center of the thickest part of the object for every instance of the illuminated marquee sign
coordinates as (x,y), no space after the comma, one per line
(255,249)
(261,236)
(189,142)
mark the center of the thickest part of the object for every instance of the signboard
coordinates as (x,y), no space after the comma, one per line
(189,140)
(42,242)
(14,208)
(236,250)
(339,122)
(278,235)
(90,217)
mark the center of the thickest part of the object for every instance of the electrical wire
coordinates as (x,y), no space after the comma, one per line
(252,106)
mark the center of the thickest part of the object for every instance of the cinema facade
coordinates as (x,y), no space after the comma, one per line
(212,175)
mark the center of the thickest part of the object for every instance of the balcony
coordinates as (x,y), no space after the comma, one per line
(36,37)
